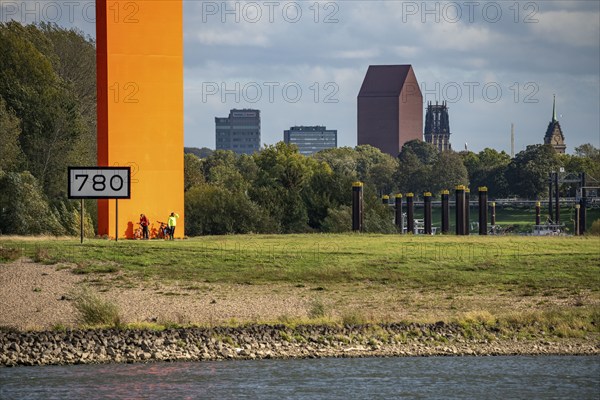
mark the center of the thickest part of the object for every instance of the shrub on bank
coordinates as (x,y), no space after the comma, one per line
(93,310)
(595,228)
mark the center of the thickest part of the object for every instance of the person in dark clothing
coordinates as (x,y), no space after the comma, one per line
(144,223)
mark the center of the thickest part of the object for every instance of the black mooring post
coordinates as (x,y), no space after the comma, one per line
(550,195)
(385,199)
(493,218)
(538,212)
(427,211)
(483,209)
(410,213)
(583,205)
(467,230)
(557,202)
(357,206)
(460,209)
(399,222)
(445,211)
(577,219)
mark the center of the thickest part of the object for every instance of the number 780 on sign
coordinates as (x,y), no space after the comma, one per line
(99,182)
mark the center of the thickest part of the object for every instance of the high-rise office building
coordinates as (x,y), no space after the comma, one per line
(390,108)
(311,139)
(240,132)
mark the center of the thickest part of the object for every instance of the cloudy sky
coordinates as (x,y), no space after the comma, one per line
(302,62)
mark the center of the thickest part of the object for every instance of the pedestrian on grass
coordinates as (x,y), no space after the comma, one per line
(171,223)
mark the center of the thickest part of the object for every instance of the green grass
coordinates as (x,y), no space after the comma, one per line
(526,264)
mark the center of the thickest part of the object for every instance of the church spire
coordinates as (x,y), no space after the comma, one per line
(554,135)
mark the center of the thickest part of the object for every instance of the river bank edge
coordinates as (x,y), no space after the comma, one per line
(252,342)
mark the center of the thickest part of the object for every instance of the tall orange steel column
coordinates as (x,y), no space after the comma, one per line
(140,108)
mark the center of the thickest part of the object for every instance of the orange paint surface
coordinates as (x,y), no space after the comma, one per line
(140,109)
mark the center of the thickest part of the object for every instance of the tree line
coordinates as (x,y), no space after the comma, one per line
(48,122)
(277,190)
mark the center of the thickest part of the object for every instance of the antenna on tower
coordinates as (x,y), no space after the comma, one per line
(512,140)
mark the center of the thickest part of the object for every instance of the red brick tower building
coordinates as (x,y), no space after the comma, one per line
(390,108)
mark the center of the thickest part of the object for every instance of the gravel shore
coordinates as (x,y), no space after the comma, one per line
(265,342)
(38,323)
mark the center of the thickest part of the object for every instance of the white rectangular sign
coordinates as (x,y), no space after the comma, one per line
(99,182)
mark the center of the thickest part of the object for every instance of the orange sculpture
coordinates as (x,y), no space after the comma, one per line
(140,109)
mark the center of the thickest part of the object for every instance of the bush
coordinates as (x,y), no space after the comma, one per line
(317,310)
(93,310)
(353,318)
(595,228)
(379,219)
(8,254)
(24,209)
(338,220)
(213,210)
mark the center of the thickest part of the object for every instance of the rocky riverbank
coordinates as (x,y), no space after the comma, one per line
(263,341)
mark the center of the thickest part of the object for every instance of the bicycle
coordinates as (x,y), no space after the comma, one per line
(163,231)
(138,233)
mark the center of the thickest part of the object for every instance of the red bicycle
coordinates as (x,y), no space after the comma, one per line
(163,231)
(139,232)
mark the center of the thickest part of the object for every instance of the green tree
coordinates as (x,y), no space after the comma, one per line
(320,195)
(74,60)
(24,208)
(590,160)
(488,169)
(200,153)
(247,167)
(338,220)
(413,174)
(425,152)
(214,210)
(342,161)
(43,101)
(447,171)
(283,175)
(219,157)
(10,129)
(470,161)
(527,173)
(381,173)
(192,171)
(416,160)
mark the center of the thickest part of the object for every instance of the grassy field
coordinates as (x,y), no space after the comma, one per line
(344,277)
(422,262)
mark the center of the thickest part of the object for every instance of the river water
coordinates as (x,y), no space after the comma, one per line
(560,377)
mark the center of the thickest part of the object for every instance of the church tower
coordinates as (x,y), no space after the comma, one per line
(437,126)
(554,135)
